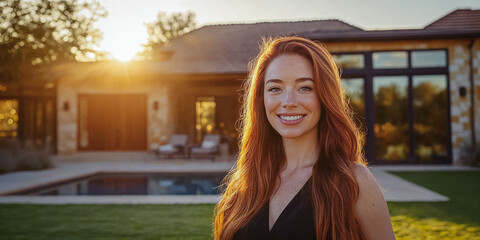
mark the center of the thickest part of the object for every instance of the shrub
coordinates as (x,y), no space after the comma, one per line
(470,156)
(7,163)
(14,157)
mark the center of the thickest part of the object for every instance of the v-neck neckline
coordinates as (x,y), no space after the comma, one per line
(284,209)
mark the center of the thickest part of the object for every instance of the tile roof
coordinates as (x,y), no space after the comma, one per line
(401,34)
(228,48)
(461,18)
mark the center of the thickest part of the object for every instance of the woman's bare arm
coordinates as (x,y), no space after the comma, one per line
(371,210)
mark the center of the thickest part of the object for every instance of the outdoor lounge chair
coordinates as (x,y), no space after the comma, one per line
(176,147)
(209,148)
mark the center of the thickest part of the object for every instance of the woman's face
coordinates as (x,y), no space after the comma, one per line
(290,98)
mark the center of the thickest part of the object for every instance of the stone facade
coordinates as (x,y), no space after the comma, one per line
(476,77)
(70,87)
(459,76)
(175,97)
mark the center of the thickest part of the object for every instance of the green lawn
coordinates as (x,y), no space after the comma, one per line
(456,219)
(84,222)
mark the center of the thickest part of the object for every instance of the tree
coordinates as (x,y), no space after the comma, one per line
(37,32)
(164,29)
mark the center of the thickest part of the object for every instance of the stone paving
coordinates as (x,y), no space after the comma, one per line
(394,188)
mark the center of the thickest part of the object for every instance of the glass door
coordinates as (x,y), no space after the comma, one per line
(430,118)
(391,120)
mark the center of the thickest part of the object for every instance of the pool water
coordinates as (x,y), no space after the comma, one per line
(135,184)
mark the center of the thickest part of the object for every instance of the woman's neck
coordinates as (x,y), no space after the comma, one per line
(300,153)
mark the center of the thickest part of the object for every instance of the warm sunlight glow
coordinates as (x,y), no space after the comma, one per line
(123,46)
(123,55)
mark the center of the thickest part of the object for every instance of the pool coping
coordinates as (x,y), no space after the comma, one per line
(68,171)
(394,188)
(117,199)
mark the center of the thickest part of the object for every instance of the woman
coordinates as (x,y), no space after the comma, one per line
(300,173)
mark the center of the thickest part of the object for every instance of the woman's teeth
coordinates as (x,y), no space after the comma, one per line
(291,118)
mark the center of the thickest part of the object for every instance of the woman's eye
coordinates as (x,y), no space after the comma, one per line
(305,89)
(274,89)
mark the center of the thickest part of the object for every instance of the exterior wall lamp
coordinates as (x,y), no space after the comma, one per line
(66,106)
(463,91)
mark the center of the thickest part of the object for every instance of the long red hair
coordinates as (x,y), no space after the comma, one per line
(250,184)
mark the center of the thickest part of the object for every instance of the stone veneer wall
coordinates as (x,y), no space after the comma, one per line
(476,77)
(460,108)
(69,89)
(459,76)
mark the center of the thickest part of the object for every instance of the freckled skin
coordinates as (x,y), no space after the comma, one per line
(290,95)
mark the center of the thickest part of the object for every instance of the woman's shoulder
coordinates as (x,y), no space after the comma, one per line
(365,179)
(370,209)
(361,171)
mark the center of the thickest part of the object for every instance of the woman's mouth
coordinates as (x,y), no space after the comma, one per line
(291,119)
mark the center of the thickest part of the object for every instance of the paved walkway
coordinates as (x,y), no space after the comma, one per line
(70,167)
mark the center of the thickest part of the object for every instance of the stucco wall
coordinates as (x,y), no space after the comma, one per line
(459,73)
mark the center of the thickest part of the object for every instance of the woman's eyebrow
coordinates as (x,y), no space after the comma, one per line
(275,80)
(303,79)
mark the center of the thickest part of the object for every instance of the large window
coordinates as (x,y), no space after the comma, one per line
(391,117)
(352,61)
(8,118)
(402,97)
(430,117)
(355,94)
(390,60)
(427,59)
(205,116)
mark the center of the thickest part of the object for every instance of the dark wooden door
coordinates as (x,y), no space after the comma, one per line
(113,122)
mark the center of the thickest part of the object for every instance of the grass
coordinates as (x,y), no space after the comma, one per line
(170,222)
(457,219)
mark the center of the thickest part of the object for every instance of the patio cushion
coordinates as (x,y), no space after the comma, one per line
(208,144)
(167,148)
(203,150)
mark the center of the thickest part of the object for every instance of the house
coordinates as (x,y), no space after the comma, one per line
(416,92)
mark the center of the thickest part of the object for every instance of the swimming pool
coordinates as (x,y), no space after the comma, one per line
(205,183)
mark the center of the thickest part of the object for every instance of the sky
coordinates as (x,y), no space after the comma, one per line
(124,29)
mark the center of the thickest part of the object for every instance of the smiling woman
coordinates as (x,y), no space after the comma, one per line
(300,173)
(290,100)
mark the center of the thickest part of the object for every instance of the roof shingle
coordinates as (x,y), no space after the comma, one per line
(228,48)
(461,18)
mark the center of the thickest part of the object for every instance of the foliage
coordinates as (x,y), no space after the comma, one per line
(392,129)
(165,28)
(34,32)
(15,157)
(470,156)
(432,228)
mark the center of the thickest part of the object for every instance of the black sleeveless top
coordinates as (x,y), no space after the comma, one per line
(294,222)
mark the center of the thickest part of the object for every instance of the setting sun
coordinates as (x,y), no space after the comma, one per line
(124,30)
(125,48)
(124,55)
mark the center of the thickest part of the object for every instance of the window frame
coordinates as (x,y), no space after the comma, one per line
(368,72)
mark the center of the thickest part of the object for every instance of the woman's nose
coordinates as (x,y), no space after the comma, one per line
(289,99)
